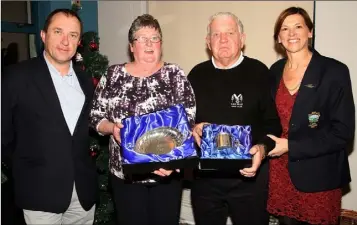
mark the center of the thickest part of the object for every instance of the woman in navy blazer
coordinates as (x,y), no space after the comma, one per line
(313,95)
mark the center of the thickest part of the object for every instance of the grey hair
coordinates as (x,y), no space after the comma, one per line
(221,14)
(144,20)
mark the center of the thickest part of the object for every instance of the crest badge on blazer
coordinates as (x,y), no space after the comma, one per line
(314,119)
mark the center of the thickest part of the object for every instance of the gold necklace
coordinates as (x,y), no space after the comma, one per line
(292,89)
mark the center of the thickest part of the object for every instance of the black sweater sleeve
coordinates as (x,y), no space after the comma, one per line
(270,119)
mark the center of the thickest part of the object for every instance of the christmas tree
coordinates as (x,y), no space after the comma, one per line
(90,60)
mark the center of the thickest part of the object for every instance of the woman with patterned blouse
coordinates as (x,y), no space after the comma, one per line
(143,86)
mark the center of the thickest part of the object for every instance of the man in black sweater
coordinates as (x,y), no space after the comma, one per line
(233,89)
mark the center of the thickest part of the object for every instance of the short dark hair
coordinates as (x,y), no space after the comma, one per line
(67,12)
(145,20)
(288,12)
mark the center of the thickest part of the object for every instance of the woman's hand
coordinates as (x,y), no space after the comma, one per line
(116,131)
(281,146)
(164,173)
(109,128)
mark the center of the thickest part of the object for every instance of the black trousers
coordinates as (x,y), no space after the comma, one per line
(152,204)
(284,220)
(10,213)
(216,196)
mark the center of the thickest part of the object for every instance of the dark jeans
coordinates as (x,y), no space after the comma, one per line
(153,204)
(244,200)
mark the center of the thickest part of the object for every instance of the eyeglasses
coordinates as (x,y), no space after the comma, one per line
(153,39)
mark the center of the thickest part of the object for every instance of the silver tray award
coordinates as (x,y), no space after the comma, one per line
(159,141)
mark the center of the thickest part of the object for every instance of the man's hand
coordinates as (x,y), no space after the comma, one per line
(164,173)
(197,132)
(116,131)
(281,146)
(258,152)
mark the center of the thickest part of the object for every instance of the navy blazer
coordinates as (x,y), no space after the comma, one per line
(321,126)
(46,158)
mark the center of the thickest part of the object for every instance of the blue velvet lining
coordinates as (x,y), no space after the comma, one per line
(241,142)
(136,126)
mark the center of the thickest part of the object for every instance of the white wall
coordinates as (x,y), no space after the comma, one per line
(336,36)
(184,27)
(114,21)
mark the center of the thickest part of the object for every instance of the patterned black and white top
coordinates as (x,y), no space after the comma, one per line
(120,95)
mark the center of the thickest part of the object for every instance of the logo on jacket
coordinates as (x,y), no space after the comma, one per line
(309,86)
(237,101)
(313,119)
